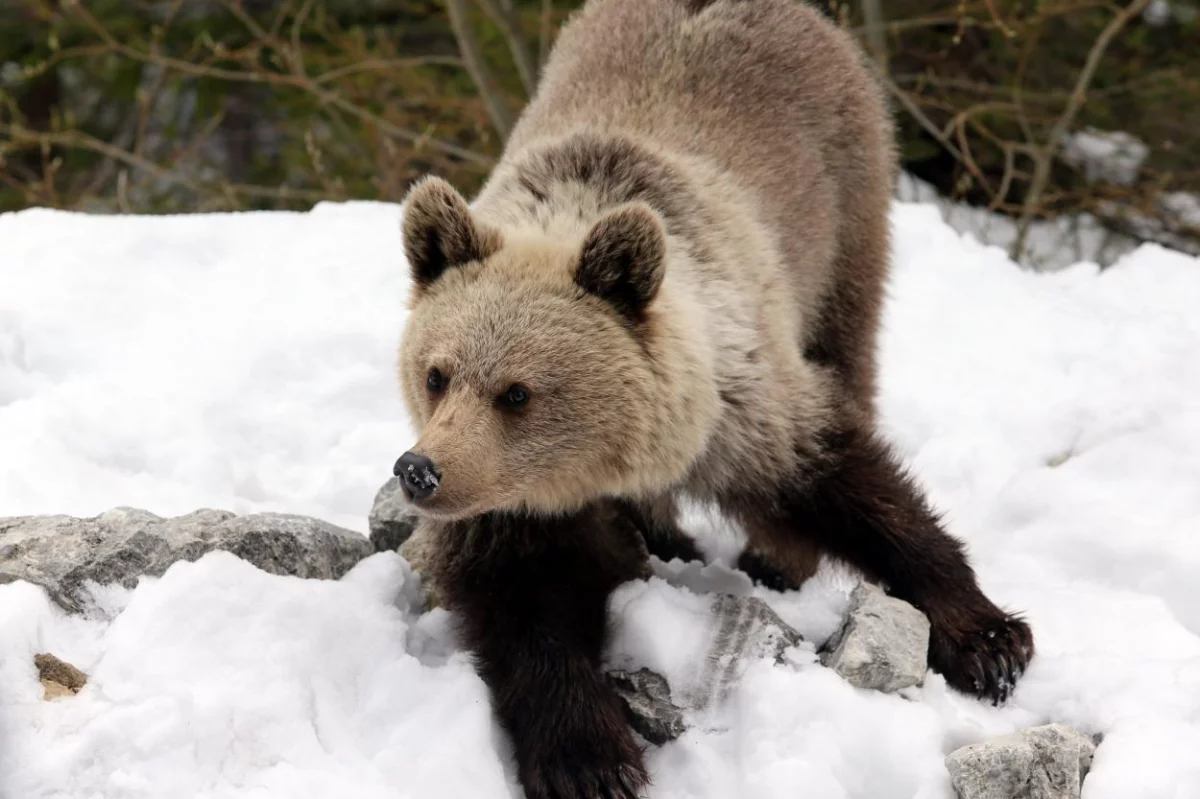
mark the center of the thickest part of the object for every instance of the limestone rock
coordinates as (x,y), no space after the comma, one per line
(647,698)
(744,628)
(1048,762)
(63,553)
(884,644)
(751,629)
(740,630)
(392,519)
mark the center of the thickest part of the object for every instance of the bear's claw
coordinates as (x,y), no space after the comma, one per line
(983,655)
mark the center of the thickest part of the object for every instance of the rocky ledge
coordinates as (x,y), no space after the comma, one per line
(63,554)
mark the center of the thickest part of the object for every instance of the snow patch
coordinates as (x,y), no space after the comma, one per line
(246,362)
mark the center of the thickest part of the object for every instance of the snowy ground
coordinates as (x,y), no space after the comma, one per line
(245,362)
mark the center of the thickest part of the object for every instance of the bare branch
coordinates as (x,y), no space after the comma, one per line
(1044,157)
(325,96)
(386,64)
(544,33)
(505,18)
(472,55)
(297,54)
(80,140)
(915,111)
(873,16)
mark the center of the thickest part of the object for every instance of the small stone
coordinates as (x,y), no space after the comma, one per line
(647,698)
(1047,762)
(392,518)
(64,553)
(58,677)
(53,690)
(52,668)
(883,645)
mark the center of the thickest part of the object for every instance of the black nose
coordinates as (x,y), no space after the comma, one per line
(417,474)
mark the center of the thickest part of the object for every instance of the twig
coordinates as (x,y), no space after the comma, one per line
(472,55)
(297,54)
(505,18)
(544,32)
(873,15)
(83,141)
(385,64)
(1044,158)
(278,79)
(915,111)
(1007,31)
(1006,179)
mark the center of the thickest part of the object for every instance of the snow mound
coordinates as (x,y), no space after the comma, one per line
(246,362)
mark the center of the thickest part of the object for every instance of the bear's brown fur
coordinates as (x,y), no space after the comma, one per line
(669,286)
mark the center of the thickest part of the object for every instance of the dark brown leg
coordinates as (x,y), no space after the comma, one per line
(658,521)
(531,595)
(779,568)
(666,540)
(860,507)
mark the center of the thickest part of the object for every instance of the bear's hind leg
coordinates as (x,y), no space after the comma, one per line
(777,568)
(531,599)
(657,519)
(665,539)
(858,506)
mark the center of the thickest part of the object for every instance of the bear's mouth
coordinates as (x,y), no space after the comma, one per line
(442,507)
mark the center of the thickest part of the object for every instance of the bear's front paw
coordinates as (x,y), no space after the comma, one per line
(594,757)
(581,777)
(981,652)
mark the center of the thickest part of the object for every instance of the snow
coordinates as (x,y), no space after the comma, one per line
(1106,156)
(1162,12)
(246,362)
(1050,244)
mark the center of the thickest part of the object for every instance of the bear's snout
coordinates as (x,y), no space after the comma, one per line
(418,475)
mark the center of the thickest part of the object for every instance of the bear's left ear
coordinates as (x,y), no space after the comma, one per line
(624,258)
(440,231)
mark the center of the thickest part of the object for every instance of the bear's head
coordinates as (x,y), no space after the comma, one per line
(529,361)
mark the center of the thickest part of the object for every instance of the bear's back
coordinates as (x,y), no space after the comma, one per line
(766,90)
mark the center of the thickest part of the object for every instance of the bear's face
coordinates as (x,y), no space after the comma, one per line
(521,362)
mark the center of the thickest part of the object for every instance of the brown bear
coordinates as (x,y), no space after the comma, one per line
(670,286)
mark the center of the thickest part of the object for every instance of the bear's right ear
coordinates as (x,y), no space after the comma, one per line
(440,231)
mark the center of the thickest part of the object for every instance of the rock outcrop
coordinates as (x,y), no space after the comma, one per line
(64,553)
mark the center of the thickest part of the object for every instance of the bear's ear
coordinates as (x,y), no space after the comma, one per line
(624,258)
(440,231)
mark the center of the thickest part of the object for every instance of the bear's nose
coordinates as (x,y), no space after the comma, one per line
(417,474)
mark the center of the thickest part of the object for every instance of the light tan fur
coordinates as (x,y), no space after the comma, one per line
(756,138)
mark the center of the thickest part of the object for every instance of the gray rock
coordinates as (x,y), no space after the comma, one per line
(1048,762)
(749,628)
(647,698)
(746,628)
(392,519)
(884,644)
(63,553)
(742,629)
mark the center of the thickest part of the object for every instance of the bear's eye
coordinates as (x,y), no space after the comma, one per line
(516,397)
(436,381)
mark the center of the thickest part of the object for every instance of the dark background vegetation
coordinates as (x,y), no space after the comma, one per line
(152,106)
